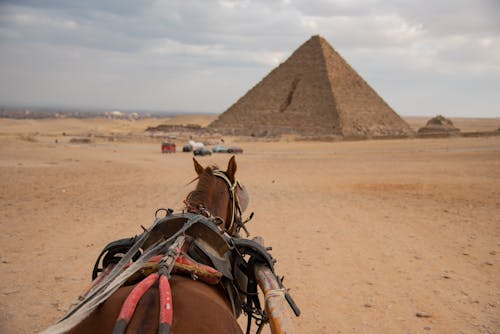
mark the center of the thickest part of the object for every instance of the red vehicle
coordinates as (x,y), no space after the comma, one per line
(168,148)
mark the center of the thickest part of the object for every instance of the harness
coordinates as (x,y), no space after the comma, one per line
(191,243)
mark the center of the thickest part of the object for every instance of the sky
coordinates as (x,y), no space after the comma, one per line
(423,57)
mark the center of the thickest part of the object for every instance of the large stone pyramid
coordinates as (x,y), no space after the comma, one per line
(313,93)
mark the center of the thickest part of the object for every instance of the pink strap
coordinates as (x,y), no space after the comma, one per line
(130,304)
(166,307)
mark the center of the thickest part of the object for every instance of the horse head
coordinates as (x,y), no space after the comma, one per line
(219,195)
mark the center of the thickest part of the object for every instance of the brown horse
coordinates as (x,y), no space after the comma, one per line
(197,307)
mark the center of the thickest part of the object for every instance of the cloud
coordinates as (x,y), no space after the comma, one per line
(162,54)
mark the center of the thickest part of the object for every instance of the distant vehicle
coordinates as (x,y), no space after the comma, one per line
(234,149)
(195,144)
(167,147)
(187,148)
(219,149)
(202,151)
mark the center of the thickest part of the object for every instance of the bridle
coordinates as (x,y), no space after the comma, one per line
(236,223)
(235,203)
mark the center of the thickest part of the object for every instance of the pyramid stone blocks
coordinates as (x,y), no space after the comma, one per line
(313,93)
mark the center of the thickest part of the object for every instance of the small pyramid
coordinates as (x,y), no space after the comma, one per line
(315,92)
(438,125)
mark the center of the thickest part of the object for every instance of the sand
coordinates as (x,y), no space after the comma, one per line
(383,236)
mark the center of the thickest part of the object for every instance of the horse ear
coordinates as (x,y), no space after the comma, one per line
(231,168)
(197,167)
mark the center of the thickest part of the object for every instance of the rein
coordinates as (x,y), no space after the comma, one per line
(118,275)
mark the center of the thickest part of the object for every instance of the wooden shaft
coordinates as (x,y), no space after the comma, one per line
(276,304)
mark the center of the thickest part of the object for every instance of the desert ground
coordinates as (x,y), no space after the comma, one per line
(380,236)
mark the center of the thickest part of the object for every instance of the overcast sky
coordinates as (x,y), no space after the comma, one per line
(423,57)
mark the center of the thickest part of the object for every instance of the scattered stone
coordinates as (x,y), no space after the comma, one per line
(368,305)
(57,307)
(446,277)
(422,315)
(10,292)
(80,141)
(427,328)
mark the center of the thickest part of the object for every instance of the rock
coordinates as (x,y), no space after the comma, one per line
(10,292)
(422,315)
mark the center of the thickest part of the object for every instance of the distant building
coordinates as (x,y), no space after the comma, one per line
(115,114)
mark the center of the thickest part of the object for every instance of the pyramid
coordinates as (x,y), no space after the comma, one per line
(315,92)
(438,126)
